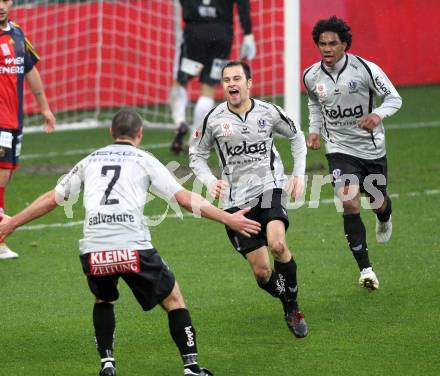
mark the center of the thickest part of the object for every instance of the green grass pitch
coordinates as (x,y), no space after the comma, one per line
(46,328)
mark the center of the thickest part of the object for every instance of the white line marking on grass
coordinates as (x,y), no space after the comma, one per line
(85,151)
(92,124)
(429,192)
(422,124)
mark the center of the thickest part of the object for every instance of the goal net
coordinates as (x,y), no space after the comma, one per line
(98,56)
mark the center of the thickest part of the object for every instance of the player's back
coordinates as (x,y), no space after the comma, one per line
(115,181)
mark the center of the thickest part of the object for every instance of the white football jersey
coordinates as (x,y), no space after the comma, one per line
(245,148)
(337,100)
(115,181)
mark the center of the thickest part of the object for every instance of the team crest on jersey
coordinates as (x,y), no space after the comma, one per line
(352,87)
(196,133)
(261,125)
(227,129)
(321,89)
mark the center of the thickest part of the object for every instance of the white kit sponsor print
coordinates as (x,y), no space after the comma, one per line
(6,140)
(189,335)
(10,64)
(114,262)
(6,51)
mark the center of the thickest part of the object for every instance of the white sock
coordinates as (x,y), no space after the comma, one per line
(178,103)
(202,107)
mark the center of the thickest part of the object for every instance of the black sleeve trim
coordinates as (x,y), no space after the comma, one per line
(205,122)
(343,68)
(272,158)
(288,120)
(368,70)
(244,12)
(304,78)
(220,153)
(326,72)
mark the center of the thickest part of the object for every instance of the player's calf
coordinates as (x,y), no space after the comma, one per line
(177,144)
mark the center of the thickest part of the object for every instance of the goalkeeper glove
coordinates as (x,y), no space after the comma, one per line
(248,48)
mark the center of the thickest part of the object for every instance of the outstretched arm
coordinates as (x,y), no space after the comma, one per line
(198,205)
(42,205)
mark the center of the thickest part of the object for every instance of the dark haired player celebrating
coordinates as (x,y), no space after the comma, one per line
(341,89)
(117,242)
(241,131)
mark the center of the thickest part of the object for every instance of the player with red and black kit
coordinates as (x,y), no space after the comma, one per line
(17,63)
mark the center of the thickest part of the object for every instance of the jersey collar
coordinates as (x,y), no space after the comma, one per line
(247,112)
(8,28)
(340,72)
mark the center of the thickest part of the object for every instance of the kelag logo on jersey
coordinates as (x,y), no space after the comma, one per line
(382,86)
(340,113)
(245,148)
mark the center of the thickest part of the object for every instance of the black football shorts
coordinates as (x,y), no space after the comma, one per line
(10,147)
(265,208)
(144,271)
(208,44)
(370,173)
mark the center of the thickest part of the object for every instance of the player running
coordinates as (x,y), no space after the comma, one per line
(341,89)
(241,131)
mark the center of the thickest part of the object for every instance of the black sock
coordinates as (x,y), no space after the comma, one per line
(357,240)
(274,287)
(104,323)
(184,335)
(385,215)
(287,276)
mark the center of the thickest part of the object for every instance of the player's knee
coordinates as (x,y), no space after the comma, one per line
(351,206)
(174,300)
(278,248)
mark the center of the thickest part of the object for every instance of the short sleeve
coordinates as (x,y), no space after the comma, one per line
(163,183)
(71,184)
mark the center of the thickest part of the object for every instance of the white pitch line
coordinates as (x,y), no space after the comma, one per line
(429,192)
(84,151)
(422,124)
